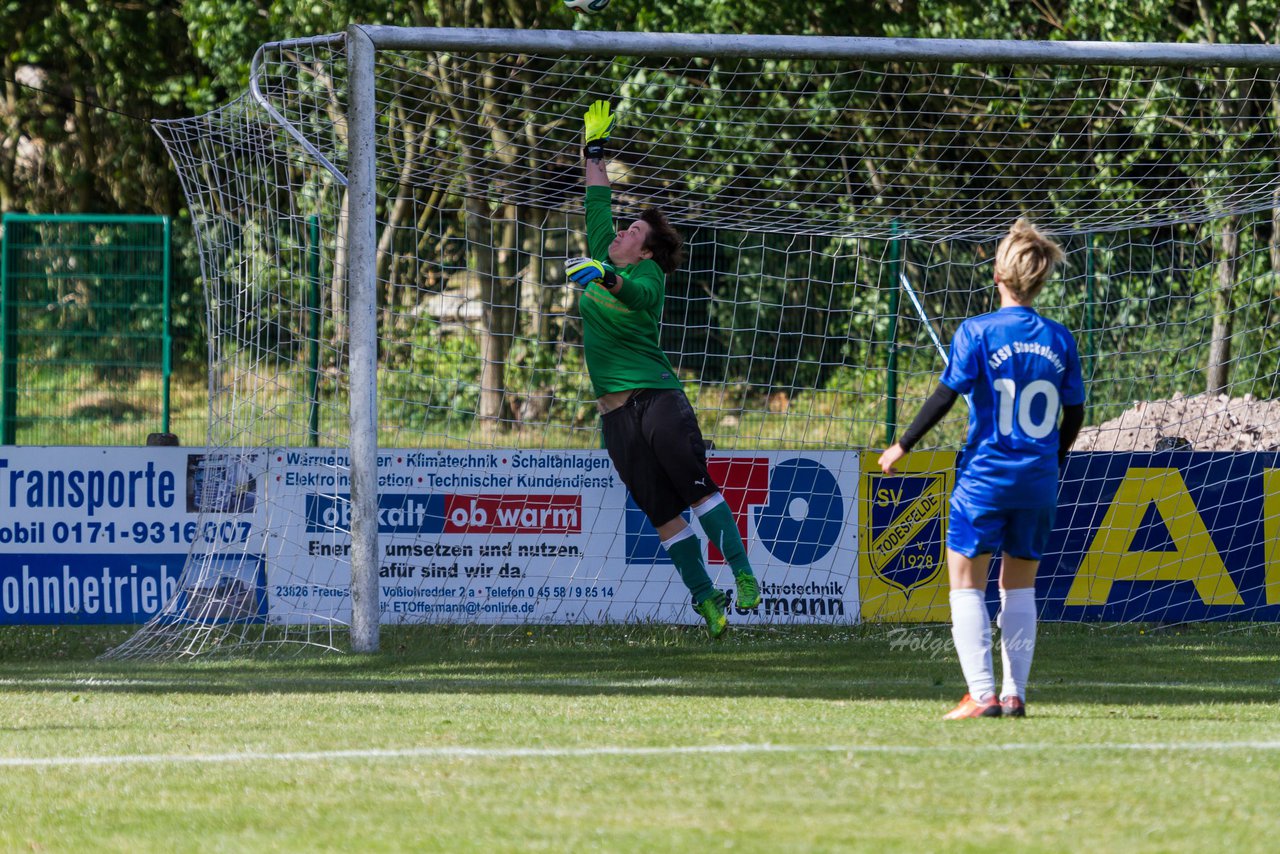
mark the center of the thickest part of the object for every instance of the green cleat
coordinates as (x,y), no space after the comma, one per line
(748,589)
(712,610)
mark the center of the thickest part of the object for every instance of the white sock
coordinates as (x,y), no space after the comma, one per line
(707,506)
(1017,623)
(685,533)
(971,631)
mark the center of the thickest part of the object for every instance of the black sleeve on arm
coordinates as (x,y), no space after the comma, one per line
(937,406)
(1072,419)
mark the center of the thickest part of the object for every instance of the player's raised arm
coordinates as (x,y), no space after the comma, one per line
(597,125)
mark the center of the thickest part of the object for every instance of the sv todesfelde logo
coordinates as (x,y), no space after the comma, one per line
(906,528)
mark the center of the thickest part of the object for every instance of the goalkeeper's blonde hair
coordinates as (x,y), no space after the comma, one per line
(1025,259)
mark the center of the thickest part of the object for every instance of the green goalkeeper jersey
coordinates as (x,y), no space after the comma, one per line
(621,333)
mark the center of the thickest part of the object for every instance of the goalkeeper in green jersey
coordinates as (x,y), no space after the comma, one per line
(650,430)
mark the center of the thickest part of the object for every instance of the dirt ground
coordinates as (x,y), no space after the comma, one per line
(1206,423)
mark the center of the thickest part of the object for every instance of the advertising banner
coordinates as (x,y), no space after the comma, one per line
(528,535)
(1168,536)
(100,535)
(1171,536)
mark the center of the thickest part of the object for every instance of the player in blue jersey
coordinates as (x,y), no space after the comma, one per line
(1019,371)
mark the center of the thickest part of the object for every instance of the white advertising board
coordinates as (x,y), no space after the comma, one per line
(100,535)
(519,535)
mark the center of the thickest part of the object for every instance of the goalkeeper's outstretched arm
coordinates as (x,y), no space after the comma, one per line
(597,125)
(597,175)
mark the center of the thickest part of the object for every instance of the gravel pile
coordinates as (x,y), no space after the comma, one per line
(1198,423)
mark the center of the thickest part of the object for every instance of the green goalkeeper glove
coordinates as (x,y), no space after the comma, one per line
(597,125)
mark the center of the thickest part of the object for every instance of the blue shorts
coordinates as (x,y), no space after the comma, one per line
(1021,533)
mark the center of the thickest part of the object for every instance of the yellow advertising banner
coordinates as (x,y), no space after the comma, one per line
(902,566)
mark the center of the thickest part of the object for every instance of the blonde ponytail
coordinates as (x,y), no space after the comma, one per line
(1025,259)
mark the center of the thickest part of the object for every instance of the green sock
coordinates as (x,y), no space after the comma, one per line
(723,533)
(687,556)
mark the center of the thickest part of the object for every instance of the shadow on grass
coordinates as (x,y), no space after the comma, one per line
(1128,664)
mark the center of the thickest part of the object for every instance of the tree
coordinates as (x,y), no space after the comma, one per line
(82,79)
(1230,140)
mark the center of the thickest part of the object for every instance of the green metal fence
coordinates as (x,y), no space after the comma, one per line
(85,347)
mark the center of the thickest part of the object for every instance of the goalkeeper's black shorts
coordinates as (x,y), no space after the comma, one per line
(658,450)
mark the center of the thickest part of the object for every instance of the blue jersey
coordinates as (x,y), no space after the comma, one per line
(1020,369)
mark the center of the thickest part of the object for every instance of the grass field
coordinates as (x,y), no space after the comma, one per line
(1138,739)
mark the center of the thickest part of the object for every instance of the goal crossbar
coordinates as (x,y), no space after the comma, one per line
(865,49)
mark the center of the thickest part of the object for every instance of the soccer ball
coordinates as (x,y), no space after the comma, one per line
(586,7)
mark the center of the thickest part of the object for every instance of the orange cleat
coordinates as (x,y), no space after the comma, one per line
(1013,707)
(971,708)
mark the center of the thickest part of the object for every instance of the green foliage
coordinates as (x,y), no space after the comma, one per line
(187,307)
(765,312)
(432,380)
(772,311)
(88,293)
(100,70)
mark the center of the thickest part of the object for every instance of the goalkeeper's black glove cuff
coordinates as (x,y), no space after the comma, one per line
(594,150)
(610,279)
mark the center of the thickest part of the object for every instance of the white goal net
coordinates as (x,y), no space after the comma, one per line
(840,200)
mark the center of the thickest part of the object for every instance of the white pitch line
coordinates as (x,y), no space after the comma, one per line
(577,682)
(576,752)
